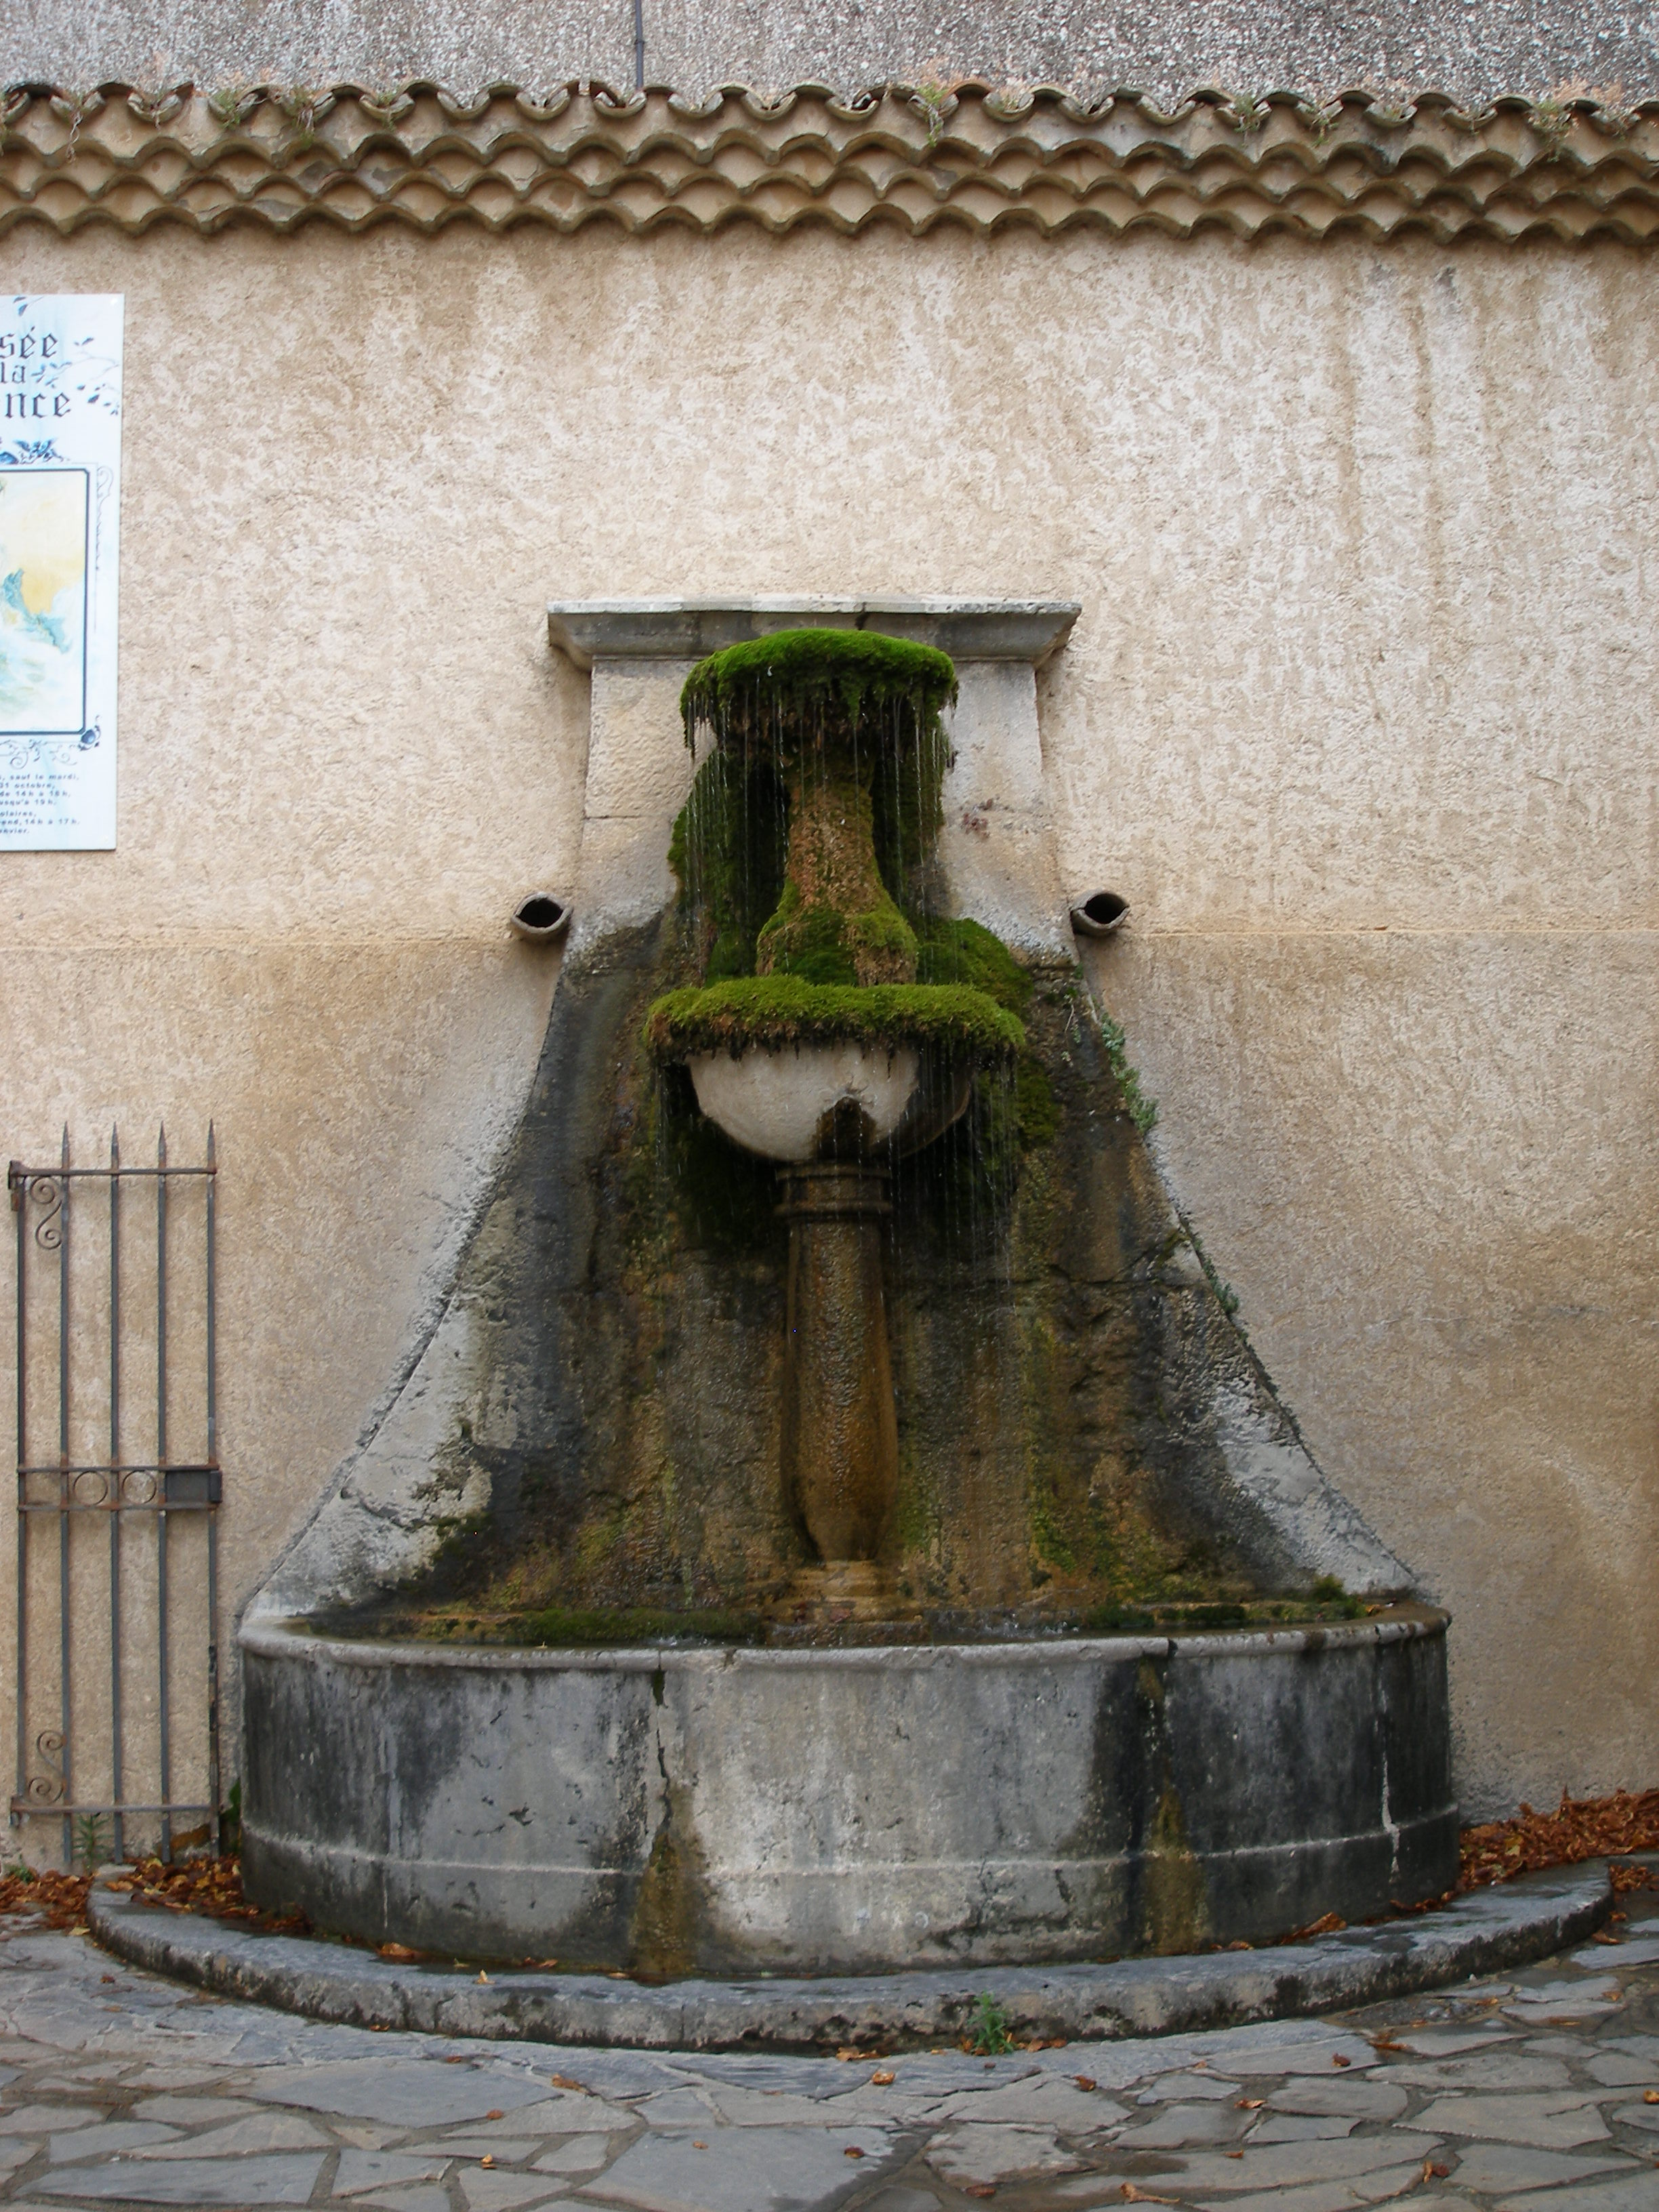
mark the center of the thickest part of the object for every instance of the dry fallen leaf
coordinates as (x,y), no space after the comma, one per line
(497,2115)
(397,1951)
(980,2189)
(1433,2173)
(1235,2154)
(882,2081)
(1249,2104)
(851,2150)
(696,2145)
(487,2160)
(1651,2096)
(1131,2195)
(1337,2059)
(564,2081)
(846,2052)
(1085,2080)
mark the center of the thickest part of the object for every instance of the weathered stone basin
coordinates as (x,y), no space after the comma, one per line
(802,1811)
(775,1103)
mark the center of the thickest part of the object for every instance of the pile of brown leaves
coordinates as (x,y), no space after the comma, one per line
(1579,1828)
(59,1898)
(212,1886)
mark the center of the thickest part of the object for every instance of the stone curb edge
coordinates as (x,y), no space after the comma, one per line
(1485,1932)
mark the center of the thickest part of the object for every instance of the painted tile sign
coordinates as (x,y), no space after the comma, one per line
(60,520)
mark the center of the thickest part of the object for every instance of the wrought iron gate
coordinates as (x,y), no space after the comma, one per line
(124,1695)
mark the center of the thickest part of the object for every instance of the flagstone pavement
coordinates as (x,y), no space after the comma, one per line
(1536,2092)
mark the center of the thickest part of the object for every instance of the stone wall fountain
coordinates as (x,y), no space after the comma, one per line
(839,1062)
(833,1524)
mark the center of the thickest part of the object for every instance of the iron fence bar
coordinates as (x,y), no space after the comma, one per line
(163,1714)
(154,1505)
(83,1806)
(64,1747)
(126,1175)
(17,1183)
(118,1840)
(213,1518)
(125,1466)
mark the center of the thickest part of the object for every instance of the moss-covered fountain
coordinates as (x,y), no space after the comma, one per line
(835,1521)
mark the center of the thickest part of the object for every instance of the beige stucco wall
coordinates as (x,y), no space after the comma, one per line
(1364,541)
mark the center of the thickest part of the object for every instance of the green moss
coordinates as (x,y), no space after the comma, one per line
(724,1200)
(1036,1110)
(727,851)
(820,946)
(966,952)
(850,675)
(851,705)
(1141,1109)
(1048,1540)
(780,1010)
(1177,1616)
(582,1628)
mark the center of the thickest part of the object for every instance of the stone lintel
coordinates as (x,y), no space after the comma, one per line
(1027,630)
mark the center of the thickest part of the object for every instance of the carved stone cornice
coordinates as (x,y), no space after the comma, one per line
(917,158)
(1030,630)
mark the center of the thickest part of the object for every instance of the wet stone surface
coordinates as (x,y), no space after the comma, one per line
(1538,2090)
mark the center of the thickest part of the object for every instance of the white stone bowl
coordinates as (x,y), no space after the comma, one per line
(773,1099)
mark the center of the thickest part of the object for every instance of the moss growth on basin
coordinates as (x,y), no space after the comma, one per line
(830,741)
(796,678)
(776,1011)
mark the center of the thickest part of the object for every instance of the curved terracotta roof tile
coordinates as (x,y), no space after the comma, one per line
(355,157)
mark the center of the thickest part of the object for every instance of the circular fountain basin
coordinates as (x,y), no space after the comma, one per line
(823,1811)
(774,1100)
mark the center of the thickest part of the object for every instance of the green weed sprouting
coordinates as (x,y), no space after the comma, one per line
(91,1849)
(1226,1296)
(1141,1109)
(987,2033)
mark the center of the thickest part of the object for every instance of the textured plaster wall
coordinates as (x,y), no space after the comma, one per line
(1358,714)
(1165,47)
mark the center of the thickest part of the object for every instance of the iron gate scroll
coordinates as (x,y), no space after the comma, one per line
(129,1699)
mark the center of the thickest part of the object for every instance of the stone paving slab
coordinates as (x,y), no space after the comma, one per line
(231,2182)
(1484,1932)
(1445,2102)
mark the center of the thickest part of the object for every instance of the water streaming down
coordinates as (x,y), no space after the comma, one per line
(817,808)
(993,1290)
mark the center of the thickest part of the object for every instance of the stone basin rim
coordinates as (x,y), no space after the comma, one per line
(278,1638)
(1484,1931)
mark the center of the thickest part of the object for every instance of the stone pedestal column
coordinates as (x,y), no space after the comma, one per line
(840,1429)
